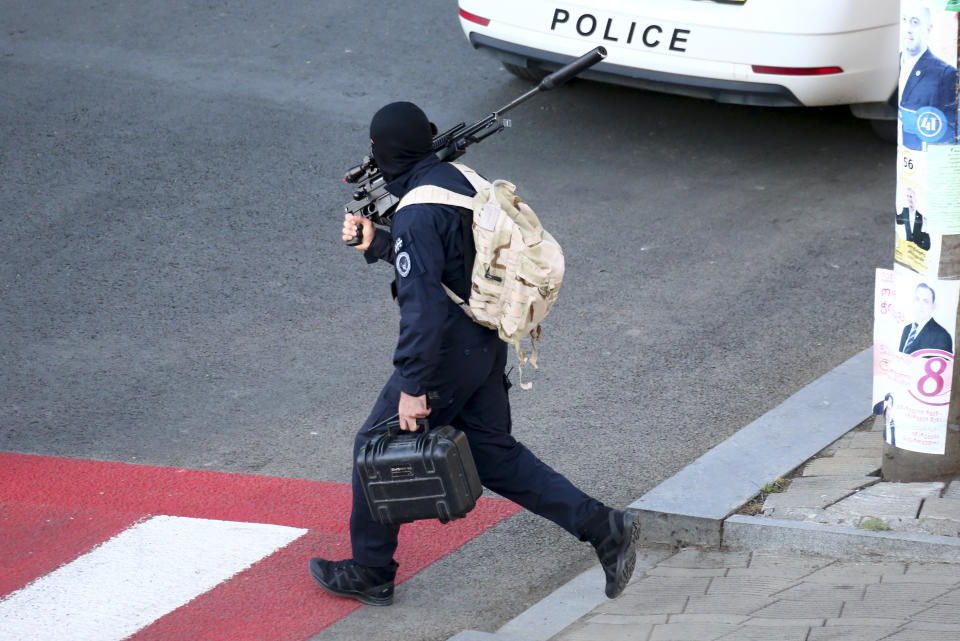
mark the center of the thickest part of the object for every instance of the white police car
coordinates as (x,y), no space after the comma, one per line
(754,52)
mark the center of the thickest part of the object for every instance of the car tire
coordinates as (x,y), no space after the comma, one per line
(885,130)
(526,73)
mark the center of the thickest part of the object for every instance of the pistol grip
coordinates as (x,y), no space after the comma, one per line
(356,239)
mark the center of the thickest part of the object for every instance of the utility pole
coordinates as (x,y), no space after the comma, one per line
(917,447)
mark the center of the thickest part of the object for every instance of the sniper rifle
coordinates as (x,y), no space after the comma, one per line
(371,198)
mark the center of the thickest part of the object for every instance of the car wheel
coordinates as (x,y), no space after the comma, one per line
(886,130)
(526,73)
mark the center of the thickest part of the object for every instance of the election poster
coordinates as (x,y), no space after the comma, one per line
(927,121)
(943,172)
(917,244)
(928,74)
(913,347)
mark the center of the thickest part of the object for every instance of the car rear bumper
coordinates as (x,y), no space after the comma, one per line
(820,53)
(728,91)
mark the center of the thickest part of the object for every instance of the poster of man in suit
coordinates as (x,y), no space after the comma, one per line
(913,337)
(928,75)
(887,409)
(912,221)
(916,247)
(924,332)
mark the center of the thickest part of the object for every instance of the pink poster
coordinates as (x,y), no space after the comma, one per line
(913,346)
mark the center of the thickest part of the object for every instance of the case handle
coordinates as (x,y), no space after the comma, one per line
(392,426)
(393,423)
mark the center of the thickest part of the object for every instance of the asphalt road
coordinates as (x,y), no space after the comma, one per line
(173,290)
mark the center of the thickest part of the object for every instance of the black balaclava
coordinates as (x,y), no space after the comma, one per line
(401,136)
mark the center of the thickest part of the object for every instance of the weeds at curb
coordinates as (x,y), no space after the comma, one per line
(755,505)
(874,524)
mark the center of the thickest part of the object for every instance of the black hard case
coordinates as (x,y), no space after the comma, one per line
(409,476)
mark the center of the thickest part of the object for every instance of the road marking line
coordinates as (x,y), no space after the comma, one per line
(53,510)
(137,577)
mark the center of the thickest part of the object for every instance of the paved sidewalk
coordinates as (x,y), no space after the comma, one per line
(836,488)
(699,595)
(784,594)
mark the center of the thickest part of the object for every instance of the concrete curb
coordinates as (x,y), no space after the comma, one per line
(742,532)
(476,635)
(689,507)
(563,606)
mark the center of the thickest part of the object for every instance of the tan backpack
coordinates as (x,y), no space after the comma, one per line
(518,267)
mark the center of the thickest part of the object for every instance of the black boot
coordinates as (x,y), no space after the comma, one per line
(373,586)
(614,533)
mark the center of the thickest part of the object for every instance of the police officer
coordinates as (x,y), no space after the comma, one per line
(460,363)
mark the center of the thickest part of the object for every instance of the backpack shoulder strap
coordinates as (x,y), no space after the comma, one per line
(476,180)
(433,195)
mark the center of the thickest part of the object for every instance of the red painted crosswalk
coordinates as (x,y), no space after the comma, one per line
(56,512)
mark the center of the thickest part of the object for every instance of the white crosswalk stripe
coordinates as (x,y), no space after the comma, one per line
(137,577)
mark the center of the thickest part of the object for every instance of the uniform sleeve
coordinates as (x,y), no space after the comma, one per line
(381,248)
(419,261)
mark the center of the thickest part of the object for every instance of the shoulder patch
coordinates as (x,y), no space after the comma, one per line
(403,263)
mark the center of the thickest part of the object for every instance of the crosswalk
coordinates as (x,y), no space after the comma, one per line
(138,576)
(101,551)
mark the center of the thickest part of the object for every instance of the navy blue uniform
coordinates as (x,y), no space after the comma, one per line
(461,363)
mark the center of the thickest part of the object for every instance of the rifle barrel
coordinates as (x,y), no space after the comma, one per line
(567,72)
(558,77)
(516,102)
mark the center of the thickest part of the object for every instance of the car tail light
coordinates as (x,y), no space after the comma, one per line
(483,22)
(797,71)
